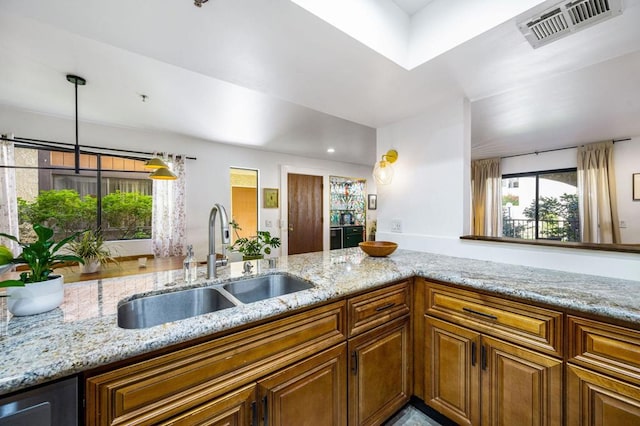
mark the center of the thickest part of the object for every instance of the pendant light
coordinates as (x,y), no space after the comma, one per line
(76,81)
(160,169)
(383,171)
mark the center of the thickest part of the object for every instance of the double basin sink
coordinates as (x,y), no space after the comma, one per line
(166,307)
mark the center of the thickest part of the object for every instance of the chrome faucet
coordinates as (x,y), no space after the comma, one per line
(212,262)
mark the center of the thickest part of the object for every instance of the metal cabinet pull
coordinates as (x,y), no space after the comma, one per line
(254,414)
(473,354)
(265,411)
(354,362)
(482,314)
(483,357)
(383,307)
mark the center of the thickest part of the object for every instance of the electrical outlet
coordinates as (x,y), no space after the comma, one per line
(268,224)
(396,225)
(623,224)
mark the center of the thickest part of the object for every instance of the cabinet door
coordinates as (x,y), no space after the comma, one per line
(379,373)
(519,386)
(309,393)
(233,409)
(452,371)
(597,400)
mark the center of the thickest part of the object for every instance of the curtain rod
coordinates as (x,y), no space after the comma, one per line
(43,143)
(558,149)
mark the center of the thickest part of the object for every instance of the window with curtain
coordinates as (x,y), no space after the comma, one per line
(110,193)
(541,205)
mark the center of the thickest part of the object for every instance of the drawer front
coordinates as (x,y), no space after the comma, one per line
(353,230)
(530,326)
(378,307)
(162,387)
(605,348)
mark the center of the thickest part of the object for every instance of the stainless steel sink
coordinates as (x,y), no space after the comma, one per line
(159,309)
(265,287)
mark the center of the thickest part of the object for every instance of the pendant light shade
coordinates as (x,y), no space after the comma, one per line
(155,163)
(383,171)
(163,173)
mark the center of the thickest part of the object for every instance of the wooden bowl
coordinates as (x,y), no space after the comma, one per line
(378,248)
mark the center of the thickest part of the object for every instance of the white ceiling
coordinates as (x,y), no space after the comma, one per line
(268,73)
(410,7)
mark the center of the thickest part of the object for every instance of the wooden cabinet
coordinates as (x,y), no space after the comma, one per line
(380,354)
(312,392)
(603,374)
(475,378)
(185,381)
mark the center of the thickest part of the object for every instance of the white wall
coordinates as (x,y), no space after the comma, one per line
(430,191)
(208,179)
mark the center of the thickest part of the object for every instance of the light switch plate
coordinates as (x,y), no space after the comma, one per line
(396,225)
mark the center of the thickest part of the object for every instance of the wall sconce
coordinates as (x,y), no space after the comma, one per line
(382,171)
(161,169)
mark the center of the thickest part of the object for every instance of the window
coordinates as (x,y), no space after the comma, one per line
(541,205)
(110,193)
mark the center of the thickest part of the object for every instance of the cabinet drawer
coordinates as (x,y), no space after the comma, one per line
(353,230)
(159,388)
(377,307)
(605,348)
(530,326)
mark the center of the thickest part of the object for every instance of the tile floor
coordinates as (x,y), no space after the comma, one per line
(411,416)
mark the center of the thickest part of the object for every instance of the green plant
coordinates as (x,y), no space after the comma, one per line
(256,245)
(40,256)
(90,245)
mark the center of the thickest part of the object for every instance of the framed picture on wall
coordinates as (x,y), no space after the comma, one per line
(636,187)
(270,197)
(372,202)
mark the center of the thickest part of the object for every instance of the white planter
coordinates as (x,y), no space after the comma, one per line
(35,298)
(90,266)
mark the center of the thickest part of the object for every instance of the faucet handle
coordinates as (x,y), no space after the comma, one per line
(247,267)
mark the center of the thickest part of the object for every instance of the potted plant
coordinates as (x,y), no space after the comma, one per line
(38,290)
(91,248)
(255,247)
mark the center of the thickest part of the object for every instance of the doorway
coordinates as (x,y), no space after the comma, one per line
(244,202)
(304,213)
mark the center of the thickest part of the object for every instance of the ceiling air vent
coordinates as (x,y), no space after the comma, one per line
(564,18)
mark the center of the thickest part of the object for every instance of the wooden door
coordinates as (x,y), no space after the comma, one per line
(379,373)
(519,386)
(452,371)
(309,393)
(597,400)
(305,221)
(236,408)
(244,210)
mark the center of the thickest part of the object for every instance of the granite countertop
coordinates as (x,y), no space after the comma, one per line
(83,332)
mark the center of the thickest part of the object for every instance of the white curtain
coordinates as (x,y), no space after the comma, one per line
(597,194)
(168,228)
(486,202)
(8,194)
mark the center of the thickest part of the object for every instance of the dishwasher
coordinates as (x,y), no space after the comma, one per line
(54,404)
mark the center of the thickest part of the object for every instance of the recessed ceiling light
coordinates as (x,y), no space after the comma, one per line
(331,150)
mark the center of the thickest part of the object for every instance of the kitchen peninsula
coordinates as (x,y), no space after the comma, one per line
(83,334)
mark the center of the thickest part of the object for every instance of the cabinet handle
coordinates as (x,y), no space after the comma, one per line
(383,307)
(265,411)
(254,414)
(354,362)
(482,314)
(483,357)
(473,354)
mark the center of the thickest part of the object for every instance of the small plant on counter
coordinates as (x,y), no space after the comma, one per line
(40,256)
(91,248)
(254,247)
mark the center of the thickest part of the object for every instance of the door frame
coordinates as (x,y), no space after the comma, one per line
(284,205)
